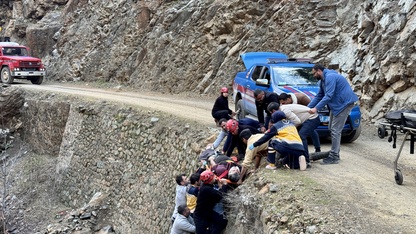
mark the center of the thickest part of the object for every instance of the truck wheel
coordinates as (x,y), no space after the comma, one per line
(353,136)
(6,76)
(241,113)
(37,80)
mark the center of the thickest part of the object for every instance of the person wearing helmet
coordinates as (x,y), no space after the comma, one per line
(234,140)
(284,142)
(224,167)
(232,126)
(208,197)
(221,109)
(224,132)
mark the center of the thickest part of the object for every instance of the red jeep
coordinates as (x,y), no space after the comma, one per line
(16,63)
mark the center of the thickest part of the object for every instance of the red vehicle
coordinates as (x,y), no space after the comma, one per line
(16,63)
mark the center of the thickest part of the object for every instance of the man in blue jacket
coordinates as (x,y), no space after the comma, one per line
(336,92)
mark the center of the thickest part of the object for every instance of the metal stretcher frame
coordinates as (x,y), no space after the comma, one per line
(408,131)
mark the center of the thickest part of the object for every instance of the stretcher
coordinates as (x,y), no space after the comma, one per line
(399,121)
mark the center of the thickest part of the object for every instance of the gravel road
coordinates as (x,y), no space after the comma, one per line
(364,176)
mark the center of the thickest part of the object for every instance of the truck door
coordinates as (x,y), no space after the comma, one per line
(258,73)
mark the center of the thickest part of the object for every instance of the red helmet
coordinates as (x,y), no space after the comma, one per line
(232,125)
(224,90)
(207,176)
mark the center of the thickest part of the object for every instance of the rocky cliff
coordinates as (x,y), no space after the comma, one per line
(194,45)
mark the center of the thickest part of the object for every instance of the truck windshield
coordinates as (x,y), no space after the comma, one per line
(15,51)
(294,76)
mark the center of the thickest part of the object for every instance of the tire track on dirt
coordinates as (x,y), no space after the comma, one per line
(186,108)
(365,179)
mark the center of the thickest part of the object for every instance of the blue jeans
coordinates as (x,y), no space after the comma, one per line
(223,134)
(308,130)
(336,124)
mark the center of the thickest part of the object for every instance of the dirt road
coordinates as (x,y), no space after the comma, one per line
(364,177)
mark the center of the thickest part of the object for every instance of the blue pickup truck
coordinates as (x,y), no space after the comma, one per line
(276,72)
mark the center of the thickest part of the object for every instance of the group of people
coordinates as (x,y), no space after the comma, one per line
(199,204)
(285,122)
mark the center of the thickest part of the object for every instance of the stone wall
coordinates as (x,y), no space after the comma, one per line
(129,155)
(44,125)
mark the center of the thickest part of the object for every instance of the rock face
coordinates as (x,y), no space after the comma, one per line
(194,45)
(11,102)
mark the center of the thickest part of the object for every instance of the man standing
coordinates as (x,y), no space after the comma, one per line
(334,91)
(208,197)
(180,197)
(263,99)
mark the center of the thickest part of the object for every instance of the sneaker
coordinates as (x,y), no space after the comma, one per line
(271,167)
(308,165)
(328,161)
(302,163)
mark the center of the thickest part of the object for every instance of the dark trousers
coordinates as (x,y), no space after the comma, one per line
(308,130)
(219,223)
(201,225)
(216,226)
(289,156)
(221,114)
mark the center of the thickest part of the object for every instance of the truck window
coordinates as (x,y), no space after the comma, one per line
(256,72)
(15,51)
(296,76)
(266,74)
(7,51)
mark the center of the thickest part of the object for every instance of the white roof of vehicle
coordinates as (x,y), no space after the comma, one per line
(9,44)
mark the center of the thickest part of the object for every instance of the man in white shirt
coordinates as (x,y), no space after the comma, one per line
(180,198)
(184,223)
